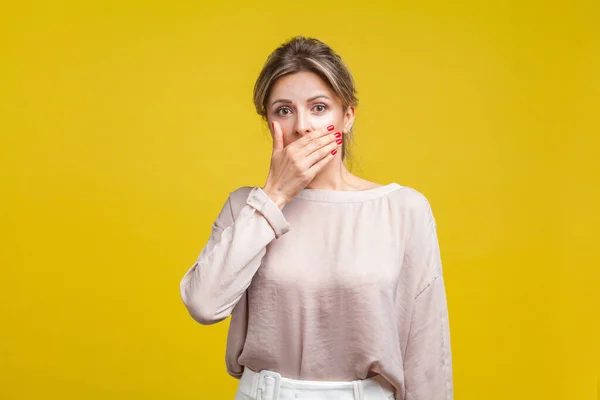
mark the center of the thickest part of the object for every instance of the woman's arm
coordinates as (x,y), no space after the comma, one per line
(428,361)
(428,357)
(214,284)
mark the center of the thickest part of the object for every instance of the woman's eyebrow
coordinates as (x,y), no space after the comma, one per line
(317,97)
(308,100)
(281,101)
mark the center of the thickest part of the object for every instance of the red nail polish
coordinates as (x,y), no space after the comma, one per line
(330,127)
(334,151)
(339,141)
(338,134)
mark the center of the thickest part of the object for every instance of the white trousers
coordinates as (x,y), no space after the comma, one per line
(270,385)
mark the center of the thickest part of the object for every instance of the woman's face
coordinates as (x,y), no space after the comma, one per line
(302,102)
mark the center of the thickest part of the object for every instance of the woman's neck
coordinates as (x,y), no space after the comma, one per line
(335,176)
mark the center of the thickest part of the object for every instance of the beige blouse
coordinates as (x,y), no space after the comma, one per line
(339,285)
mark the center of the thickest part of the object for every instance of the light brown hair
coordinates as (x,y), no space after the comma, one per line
(301,54)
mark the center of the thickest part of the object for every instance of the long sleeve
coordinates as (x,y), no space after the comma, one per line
(214,284)
(428,364)
(428,357)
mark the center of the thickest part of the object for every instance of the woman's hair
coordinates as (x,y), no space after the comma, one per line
(302,54)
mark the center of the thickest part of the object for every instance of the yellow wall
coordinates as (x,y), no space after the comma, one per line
(125,125)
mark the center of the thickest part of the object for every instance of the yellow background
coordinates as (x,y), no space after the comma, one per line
(126,124)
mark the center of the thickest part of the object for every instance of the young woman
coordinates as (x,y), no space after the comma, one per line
(334,284)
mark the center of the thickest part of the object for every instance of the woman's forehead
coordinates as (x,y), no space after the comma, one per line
(301,84)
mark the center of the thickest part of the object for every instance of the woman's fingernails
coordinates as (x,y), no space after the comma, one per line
(330,128)
(339,141)
(334,151)
(337,134)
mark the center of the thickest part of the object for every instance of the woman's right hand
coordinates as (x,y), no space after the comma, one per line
(293,167)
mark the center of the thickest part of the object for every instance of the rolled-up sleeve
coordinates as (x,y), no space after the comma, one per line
(224,269)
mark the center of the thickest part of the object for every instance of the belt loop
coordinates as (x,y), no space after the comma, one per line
(259,387)
(358,390)
(255,378)
(263,376)
(277,384)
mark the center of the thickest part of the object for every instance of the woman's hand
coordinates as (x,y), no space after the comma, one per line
(295,166)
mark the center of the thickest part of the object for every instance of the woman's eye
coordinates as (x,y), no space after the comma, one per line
(320,107)
(283,111)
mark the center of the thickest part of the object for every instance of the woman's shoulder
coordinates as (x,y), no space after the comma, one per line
(410,198)
(405,196)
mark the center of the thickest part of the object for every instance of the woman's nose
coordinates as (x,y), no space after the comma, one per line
(302,125)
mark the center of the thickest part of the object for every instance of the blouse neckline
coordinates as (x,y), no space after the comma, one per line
(342,196)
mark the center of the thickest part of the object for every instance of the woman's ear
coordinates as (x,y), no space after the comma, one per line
(349,119)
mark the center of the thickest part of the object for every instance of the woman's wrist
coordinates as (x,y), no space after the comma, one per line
(276,197)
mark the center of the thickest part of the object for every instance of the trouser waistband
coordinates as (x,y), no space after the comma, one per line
(270,385)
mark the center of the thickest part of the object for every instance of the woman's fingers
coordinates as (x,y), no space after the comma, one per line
(307,140)
(324,151)
(314,170)
(277,136)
